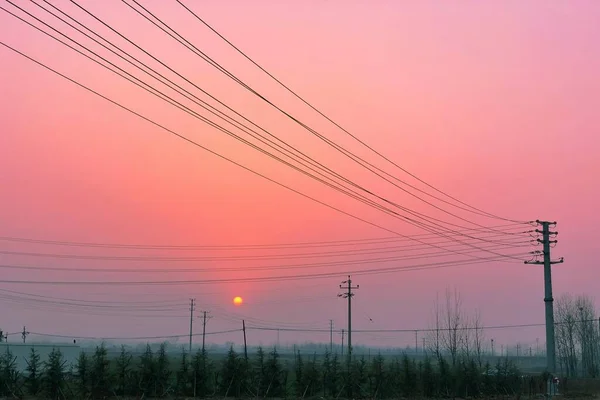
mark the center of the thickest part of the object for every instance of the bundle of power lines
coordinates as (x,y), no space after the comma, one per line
(455,234)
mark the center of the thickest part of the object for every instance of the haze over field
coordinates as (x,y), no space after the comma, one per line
(493,103)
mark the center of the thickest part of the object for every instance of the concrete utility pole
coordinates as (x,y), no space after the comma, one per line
(192,309)
(548,299)
(347,285)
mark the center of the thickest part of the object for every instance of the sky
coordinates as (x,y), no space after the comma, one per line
(494,103)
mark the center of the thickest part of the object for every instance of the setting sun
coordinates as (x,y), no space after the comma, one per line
(238,301)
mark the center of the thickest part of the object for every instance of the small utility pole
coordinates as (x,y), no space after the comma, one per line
(245,344)
(342,343)
(347,285)
(548,299)
(203,329)
(192,309)
(416,342)
(331,336)
(24,334)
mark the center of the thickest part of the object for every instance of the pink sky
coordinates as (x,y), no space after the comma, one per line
(494,102)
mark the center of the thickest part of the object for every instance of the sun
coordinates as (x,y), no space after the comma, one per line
(237,300)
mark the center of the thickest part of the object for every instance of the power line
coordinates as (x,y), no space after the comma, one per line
(322,255)
(306,330)
(412,330)
(198,144)
(416,223)
(222,69)
(373,271)
(213,152)
(131,337)
(380,208)
(170,100)
(474,209)
(110,302)
(254,246)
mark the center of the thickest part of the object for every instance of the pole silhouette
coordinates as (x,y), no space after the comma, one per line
(548,299)
(331,336)
(347,285)
(192,309)
(203,329)
(245,344)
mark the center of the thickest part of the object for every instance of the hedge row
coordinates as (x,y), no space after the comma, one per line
(156,374)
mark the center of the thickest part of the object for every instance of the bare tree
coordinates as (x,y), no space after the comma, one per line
(587,336)
(453,329)
(478,337)
(576,336)
(434,336)
(455,334)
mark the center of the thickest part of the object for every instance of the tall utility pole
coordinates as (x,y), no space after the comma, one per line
(347,285)
(548,299)
(192,309)
(331,336)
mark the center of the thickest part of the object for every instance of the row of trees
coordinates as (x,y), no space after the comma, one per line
(577,336)
(156,374)
(458,335)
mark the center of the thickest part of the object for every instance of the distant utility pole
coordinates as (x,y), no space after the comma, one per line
(331,336)
(192,309)
(245,343)
(342,343)
(24,334)
(548,299)
(416,341)
(347,285)
(203,329)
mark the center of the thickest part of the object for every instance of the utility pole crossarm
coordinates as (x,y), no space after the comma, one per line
(547,262)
